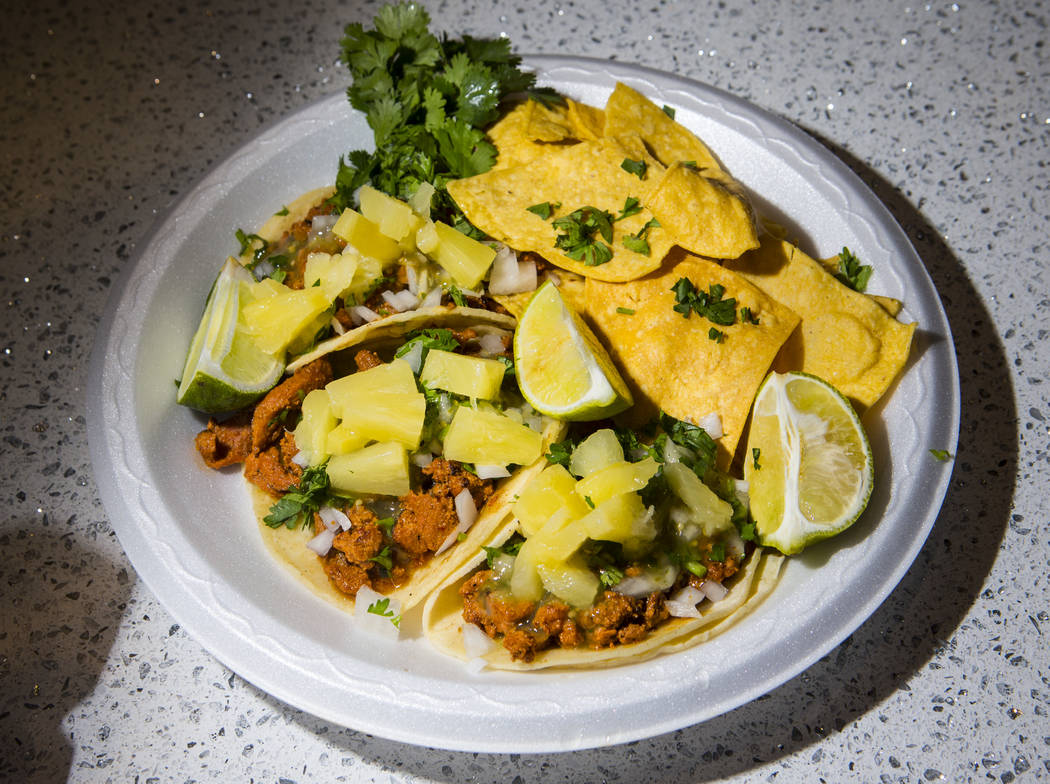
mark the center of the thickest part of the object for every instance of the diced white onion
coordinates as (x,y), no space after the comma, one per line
(414,357)
(713,590)
(422,459)
(554,277)
(445,407)
(337,327)
(322,225)
(673,453)
(509,276)
(361,314)
(331,516)
(471,293)
(412,278)
(734,544)
(467,512)
(373,623)
(400,301)
(491,471)
(638,586)
(712,423)
(683,603)
(322,543)
(301,459)
(475,642)
(432,298)
(502,565)
(491,344)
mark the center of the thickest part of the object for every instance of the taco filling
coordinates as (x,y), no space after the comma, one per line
(378,470)
(612,543)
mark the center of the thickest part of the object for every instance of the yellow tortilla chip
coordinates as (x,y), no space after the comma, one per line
(628,111)
(587,174)
(845,338)
(548,123)
(671,363)
(530,128)
(587,122)
(706,212)
(511,138)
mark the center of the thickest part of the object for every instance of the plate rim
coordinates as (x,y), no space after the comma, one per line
(193,615)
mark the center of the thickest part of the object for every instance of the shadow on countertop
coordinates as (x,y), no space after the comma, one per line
(48,608)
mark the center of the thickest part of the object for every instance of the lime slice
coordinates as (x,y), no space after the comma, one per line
(808,462)
(225,370)
(562,369)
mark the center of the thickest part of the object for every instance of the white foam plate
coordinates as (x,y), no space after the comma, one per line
(190,534)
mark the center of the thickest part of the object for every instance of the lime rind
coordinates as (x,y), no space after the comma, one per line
(821,463)
(224,369)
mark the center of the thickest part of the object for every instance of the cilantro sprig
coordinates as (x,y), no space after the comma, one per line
(577,235)
(296,507)
(427,101)
(710,305)
(851,272)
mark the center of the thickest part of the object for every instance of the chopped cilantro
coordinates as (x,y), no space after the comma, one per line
(439,338)
(669,111)
(282,211)
(297,506)
(943,455)
(748,316)
(253,242)
(631,206)
(637,168)
(718,552)
(639,241)
(716,335)
(384,559)
(693,438)
(748,533)
(755,454)
(697,568)
(710,305)
(511,547)
(560,452)
(610,576)
(457,296)
(625,311)
(578,240)
(590,502)
(386,524)
(852,272)
(544,209)
(381,607)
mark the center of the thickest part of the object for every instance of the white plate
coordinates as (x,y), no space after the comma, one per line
(189,533)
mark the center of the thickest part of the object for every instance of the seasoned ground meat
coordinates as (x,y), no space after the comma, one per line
(617,618)
(225,443)
(550,618)
(428,515)
(272,469)
(494,613)
(716,571)
(521,644)
(345,576)
(270,418)
(365,359)
(363,541)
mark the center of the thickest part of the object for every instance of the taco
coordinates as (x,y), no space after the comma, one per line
(387,462)
(617,554)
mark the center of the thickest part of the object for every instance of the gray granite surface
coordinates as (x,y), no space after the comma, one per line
(113,110)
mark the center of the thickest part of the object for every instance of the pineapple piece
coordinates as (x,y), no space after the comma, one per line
(333,274)
(366,386)
(572,581)
(623,518)
(547,493)
(368,271)
(365,237)
(341,440)
(379,469)
(312,432)
(622,477)
(396,416)
(427,238)
(560,536)
(475,377)
(711,513)
(465,259)
(489,438)
(599,450)
(286,319)
(525,582)
(394,218)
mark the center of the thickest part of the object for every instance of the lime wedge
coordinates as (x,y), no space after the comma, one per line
(808,462)
(562,369)
(225,370)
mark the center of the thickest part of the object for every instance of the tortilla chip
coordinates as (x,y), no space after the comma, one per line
(671,363)
(846,338)
(587,122)
(579,175)
(548,123)
(628,111)
(706,212)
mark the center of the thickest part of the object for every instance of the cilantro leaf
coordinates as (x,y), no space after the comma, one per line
(710,305)
(560,452)
(943,455)
(851,272)
(296,507)
(637,168)
(577,238)
(544,209)
(439,338)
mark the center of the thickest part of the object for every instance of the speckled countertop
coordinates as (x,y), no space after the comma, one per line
(112,112)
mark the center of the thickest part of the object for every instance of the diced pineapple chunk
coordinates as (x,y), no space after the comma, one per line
(379,469)
(622,477)
(311,434)
(465,259)
(421,199)
(489,438)
(571,581)
(711,513)
(427,238)
(287,319)
(333,274)
(475,377)
(341,439)
(365,237)
(623,518)
(525,580)
(547,493)
(599,450)
(560,536)
(394,218)
(365,386)
(397,416)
